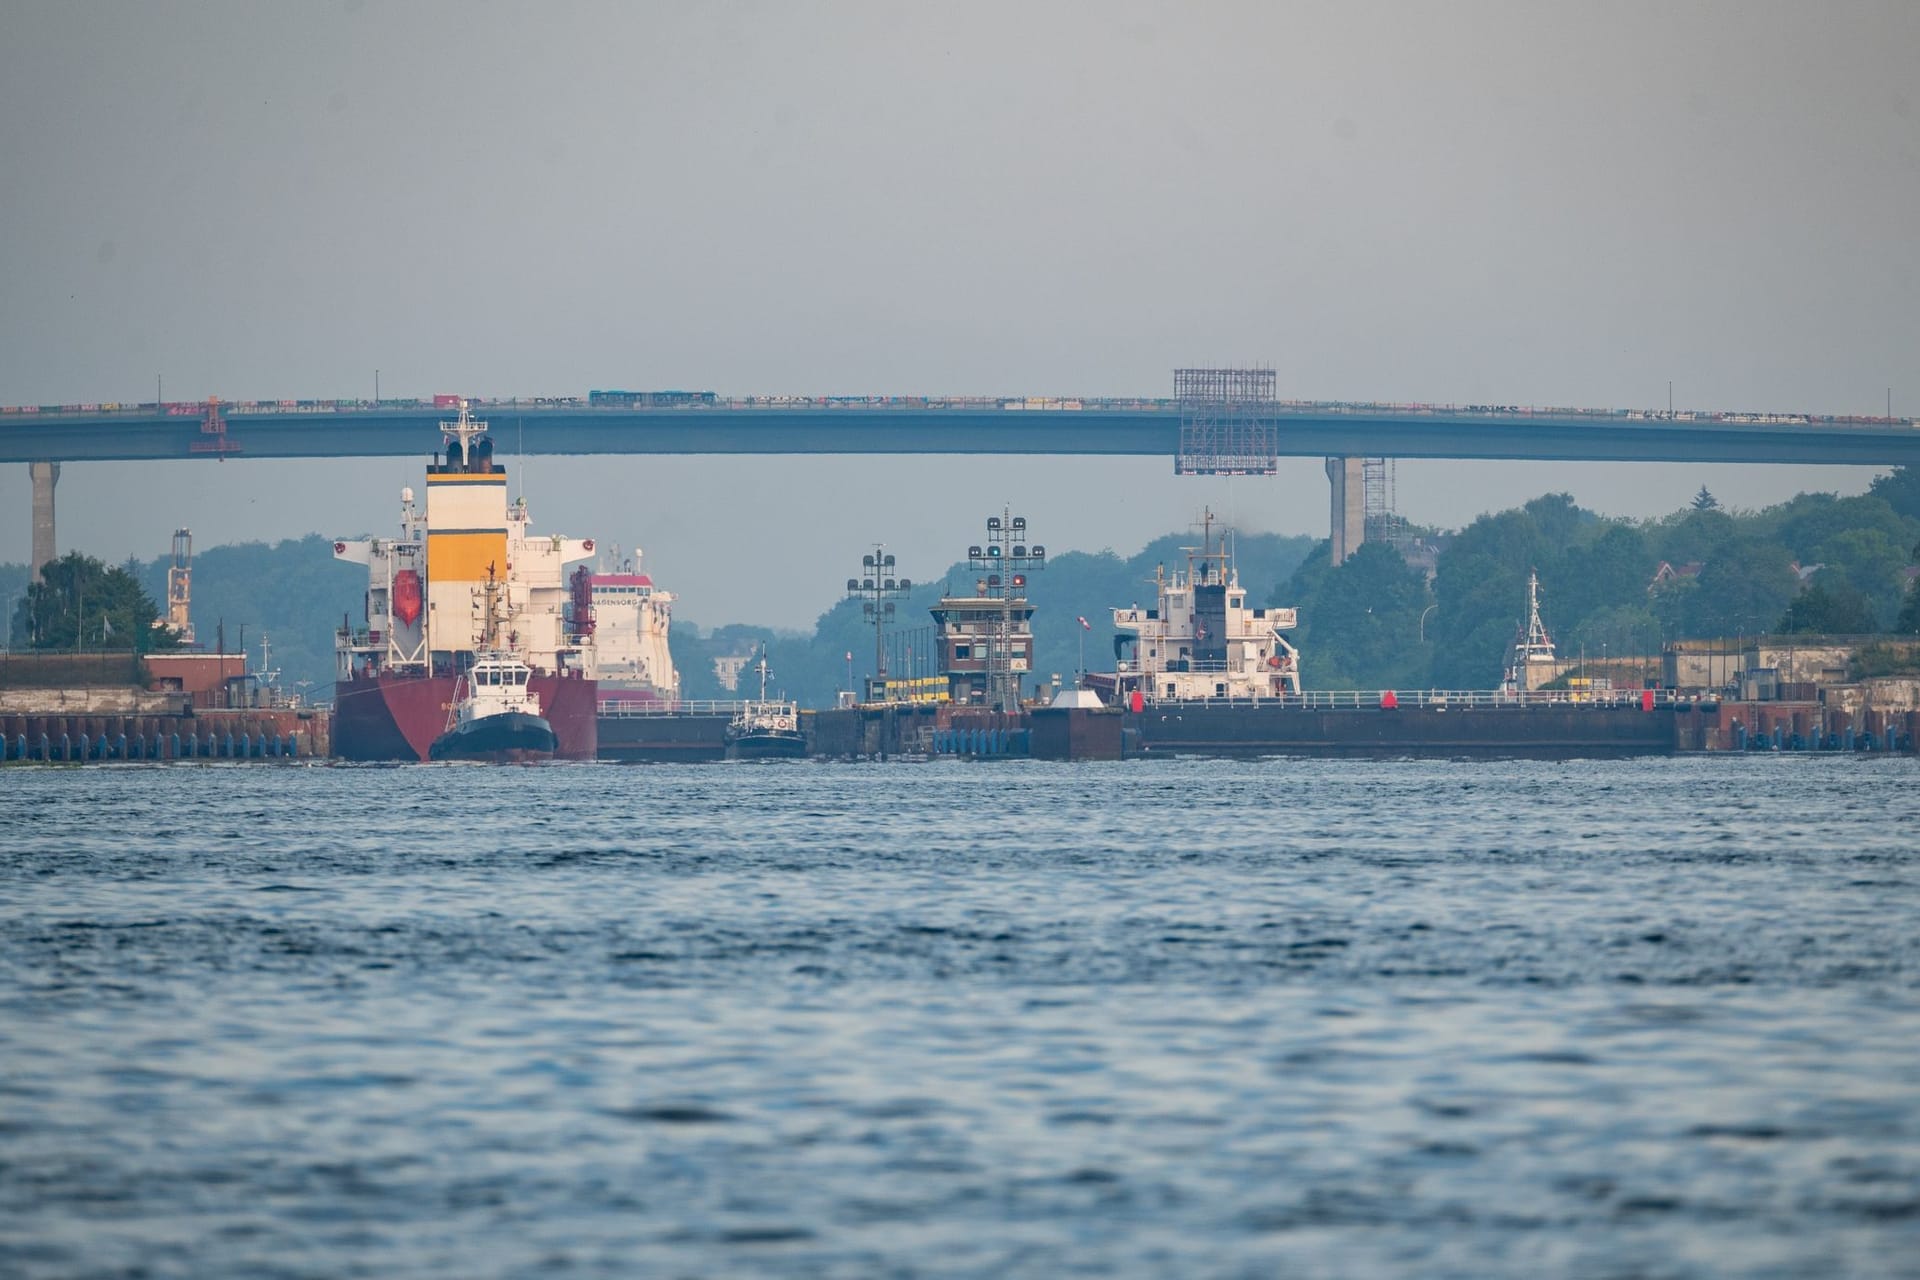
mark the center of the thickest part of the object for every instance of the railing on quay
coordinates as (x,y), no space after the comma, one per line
(656,708)
(1376,699)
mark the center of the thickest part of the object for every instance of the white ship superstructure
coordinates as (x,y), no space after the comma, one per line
(1532,661)
(1202,640)
(424,586)
(630,623)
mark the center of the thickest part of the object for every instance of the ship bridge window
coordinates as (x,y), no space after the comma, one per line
(1237,601)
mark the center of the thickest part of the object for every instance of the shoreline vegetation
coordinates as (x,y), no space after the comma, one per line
(1425,608)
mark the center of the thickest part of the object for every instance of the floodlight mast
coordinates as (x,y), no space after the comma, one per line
(1007,558)
(877,588)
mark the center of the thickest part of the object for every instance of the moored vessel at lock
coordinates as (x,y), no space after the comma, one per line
(495,715)
(1201,673)
(764,728)
(1201,640)
(402,675)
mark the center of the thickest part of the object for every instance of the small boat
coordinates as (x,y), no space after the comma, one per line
(495,714)
(766,729)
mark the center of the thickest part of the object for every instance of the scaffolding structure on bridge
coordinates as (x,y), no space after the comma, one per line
(1227,425)
(1382,523)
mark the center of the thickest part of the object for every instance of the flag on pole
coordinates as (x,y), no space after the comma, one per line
(1084,624)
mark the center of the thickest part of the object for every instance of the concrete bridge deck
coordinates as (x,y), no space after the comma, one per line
(704,423)
(365,429)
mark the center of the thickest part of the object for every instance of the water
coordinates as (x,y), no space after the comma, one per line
(1655,1018)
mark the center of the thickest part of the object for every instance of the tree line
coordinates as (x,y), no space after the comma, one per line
(1818,564)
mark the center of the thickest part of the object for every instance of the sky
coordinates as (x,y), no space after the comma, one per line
(1570,204)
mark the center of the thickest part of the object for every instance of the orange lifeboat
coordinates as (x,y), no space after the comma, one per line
(406,596)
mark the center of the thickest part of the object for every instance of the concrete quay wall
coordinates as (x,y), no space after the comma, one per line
(1837,725)
(92,700)
(254,734)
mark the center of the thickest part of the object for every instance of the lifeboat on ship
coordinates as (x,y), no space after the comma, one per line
(406,596)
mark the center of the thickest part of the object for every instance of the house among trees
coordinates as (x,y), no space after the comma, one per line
(1667,573)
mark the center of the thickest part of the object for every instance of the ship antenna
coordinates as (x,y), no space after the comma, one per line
(464,430)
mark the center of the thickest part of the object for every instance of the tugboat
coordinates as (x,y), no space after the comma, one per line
(766,730)
(495,715)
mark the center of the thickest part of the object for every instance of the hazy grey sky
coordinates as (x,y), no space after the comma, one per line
(1515,203)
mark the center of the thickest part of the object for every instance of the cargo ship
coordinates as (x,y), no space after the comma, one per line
(1201,640)
(400,673)
(1204,673)
(627,617)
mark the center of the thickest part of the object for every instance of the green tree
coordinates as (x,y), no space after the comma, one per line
(1611,571)
(1705,501)
(293,591)
(1556,518)
(1360,622)
(1693,536)
(1812,520)
(1481,589)
(1620,631)
(1838,610)
(1899,489)
(81,603)
(1743,589)
(1869,563)
(1908,621)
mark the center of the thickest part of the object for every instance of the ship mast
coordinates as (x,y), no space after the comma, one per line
(464,431)
(1534,645)
(490,619)
(1537,642)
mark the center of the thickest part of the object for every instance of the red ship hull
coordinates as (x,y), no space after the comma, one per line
(397,717)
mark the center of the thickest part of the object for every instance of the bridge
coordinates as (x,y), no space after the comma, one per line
(1230,437)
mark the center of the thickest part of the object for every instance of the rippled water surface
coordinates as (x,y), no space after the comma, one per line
(1159,1019)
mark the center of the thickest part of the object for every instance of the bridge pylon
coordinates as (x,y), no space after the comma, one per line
(45,476)
(1347,477)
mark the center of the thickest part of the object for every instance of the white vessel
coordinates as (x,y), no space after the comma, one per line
(1202,640)
(629,619)
(1531,662)
(766,729)
(398,671)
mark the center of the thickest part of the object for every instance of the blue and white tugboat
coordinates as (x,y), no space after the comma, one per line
(495,714)
(766,729)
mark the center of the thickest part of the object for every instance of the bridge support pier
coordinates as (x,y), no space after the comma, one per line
(1349,506)
(45,476)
